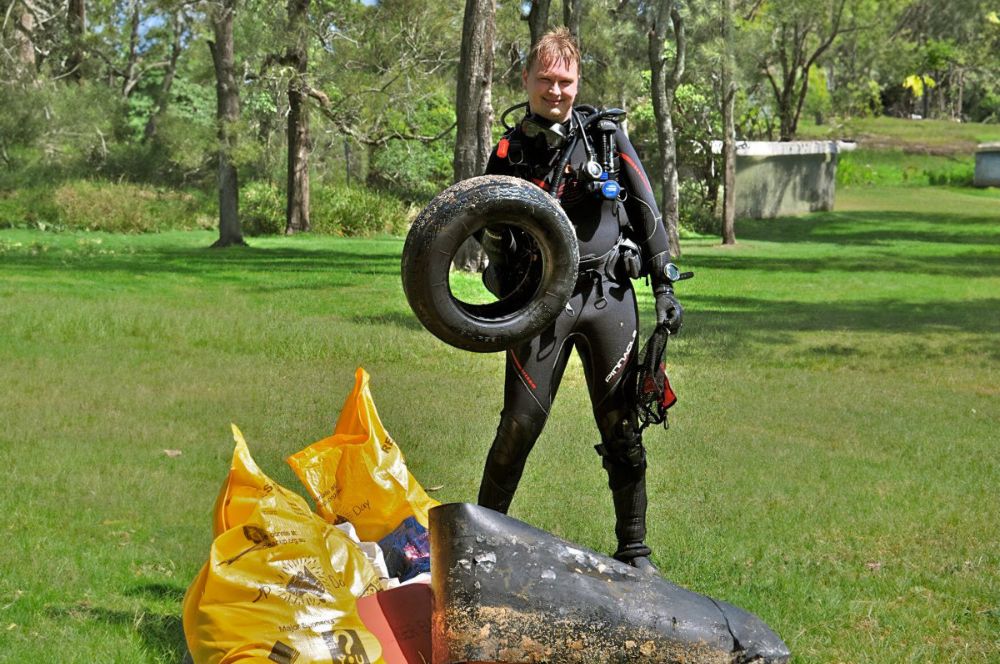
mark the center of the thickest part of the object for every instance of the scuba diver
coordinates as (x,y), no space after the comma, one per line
(581,156)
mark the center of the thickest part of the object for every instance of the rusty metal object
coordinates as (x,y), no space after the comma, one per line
(507,592)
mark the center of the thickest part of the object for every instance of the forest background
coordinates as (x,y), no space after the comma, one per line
(344,117)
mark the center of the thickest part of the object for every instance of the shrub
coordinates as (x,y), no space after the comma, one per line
(262,209)
(416,171)
(958,175)
(29,207)
(357,211)
(894,168)
(697,214)
(127,208)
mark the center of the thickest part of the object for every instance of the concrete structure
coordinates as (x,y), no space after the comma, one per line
(987,165)
(778,179)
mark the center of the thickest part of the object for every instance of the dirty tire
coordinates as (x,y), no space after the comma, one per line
(442,227)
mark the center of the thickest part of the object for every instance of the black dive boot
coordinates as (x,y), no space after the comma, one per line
(628,491)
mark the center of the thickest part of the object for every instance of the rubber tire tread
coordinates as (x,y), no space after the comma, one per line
(440,229)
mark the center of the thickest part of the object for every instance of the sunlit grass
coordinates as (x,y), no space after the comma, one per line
(831,464)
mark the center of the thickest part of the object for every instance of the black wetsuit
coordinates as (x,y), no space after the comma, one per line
(600,321)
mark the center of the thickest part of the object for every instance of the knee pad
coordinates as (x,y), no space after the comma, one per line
(624,450)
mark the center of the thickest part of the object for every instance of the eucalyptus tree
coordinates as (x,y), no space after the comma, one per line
(179,30)
(727,94)
(537,16)
(222,15)
(791,37)
(297,58)
(953,52)
(474,108)
(76,28)
(667,67)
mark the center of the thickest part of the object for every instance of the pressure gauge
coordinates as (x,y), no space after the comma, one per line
(671,272)
(593,170)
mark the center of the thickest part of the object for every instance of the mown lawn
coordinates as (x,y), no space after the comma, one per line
(928,136)
(831,465)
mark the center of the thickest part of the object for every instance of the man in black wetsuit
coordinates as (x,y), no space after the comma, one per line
(606,194)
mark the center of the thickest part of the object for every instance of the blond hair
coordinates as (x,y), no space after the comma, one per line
(555,45)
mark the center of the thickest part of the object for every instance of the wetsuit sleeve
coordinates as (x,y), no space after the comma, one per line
(643,213)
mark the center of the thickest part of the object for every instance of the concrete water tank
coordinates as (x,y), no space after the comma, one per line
(987,165)
(775,179)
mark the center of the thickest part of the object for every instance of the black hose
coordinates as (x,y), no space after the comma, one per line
(557,180)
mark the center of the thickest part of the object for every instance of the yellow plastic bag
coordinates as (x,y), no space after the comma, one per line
(358,474)
(281,584)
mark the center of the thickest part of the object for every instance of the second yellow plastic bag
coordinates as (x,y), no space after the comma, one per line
(358,474)
(281,584)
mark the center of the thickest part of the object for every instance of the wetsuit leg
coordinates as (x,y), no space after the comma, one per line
(609,353)
(534,370)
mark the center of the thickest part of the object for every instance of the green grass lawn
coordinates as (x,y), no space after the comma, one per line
(831,464)
(933,136)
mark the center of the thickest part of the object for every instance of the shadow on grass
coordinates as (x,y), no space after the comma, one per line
(407,321)
(739,313)
(968,264)
(214,264)
(159,591)
(874,227)
(161,634)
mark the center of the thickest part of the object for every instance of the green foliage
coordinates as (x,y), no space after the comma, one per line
(415,171)
(128,208)
(262,209)
(895,168)
(818,103)
(20,121)
(28,207)
(697,210)
(858,98)
(357,211)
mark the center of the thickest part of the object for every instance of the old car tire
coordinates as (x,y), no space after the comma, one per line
(454,215)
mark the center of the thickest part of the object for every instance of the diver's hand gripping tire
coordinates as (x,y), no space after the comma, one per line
(442,227)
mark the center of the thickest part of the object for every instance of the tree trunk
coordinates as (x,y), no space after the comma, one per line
(130,77)
(664,86)
(728,128)
(572,15)
(76,25)
(538,19)
(227,114)
(474,108)
(297,208)
(961,94)
(163,95)
(24,40)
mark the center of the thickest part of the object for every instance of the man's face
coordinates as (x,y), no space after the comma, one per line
(551,88)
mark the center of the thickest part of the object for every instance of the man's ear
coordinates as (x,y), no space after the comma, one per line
(524,78)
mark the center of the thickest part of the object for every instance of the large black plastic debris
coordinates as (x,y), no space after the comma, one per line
(507,592)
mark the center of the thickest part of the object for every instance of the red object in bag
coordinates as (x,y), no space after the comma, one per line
(400,619)
(669,398)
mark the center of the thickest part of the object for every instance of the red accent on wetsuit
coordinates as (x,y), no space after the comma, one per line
(502,148)
(635,167)
(524,373)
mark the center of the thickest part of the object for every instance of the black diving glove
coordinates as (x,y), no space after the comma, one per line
(668,309)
